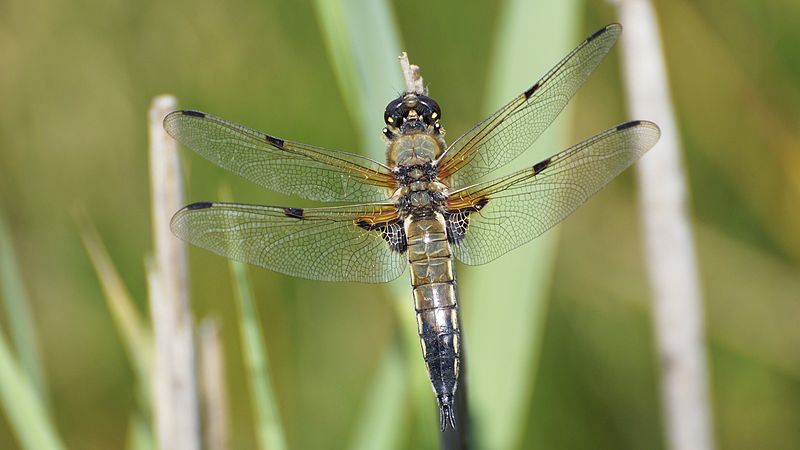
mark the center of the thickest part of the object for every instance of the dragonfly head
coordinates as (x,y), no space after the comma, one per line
(411,113)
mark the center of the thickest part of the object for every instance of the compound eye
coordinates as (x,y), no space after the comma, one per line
(429,110)
(391,115)
(393,119)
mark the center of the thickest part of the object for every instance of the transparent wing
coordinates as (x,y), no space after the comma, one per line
(283,166)
(513,128)
(331,244)
(497,216)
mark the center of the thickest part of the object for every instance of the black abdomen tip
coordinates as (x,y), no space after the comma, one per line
(447,413)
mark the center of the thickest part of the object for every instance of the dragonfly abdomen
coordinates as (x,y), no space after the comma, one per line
(433,283)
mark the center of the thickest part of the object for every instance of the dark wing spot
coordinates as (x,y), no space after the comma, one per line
(457,222)
(199,205)
(532,89)
(627,125)
(295,213)
(278,143)
(596,34)
(456,225)
(189,112)
(541,165)
(392,232)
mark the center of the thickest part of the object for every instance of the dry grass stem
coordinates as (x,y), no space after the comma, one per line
(215,395)
(176,403)
(412,75)
(670,252)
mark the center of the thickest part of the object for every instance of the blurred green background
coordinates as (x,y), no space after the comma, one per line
(76,81)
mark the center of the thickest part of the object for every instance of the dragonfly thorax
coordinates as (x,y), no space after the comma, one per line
(413,150)
(420,198)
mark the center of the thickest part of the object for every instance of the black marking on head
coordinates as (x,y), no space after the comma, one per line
(532,89)
(541,165)
(596,34)
(627,125)
(295,213)
(278,143)
(199,205)
(412,111)
(191,113)
(392,232)
(429,109)
(395,112)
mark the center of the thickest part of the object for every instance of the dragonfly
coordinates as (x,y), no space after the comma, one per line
(425,207)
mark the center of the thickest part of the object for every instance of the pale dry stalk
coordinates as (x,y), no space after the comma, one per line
(176,405)
(669,243)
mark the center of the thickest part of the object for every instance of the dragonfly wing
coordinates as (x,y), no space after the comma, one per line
(283,166)
(513,128)
(491,218)
(361,243)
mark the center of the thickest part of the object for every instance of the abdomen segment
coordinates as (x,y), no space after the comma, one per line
(433,283)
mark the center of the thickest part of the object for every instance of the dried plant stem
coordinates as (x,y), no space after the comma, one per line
(175,384)
(215,396)
(411,75)
(670,254)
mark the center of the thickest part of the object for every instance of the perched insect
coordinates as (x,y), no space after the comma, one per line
(422,208)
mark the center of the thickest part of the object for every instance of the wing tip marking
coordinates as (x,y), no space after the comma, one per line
(192,113)
(626,125)
(198,205)
(601,31)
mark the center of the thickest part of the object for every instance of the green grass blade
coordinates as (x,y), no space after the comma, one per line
(505,301)
(384,405)
(24,408)
(136,336)
(15,299)
(269,430)
(140,434)
(362,42)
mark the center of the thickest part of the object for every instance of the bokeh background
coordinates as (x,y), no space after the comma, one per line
(77,78)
